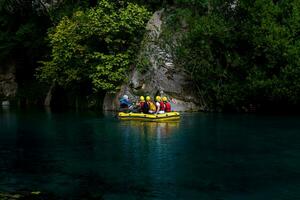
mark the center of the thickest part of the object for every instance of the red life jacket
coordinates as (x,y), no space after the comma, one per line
(141,105)
(167,107)
(162,106)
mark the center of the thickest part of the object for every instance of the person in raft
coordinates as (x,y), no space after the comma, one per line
(167,104)
(160,106)
(142,104)
(125,104)
(149,106)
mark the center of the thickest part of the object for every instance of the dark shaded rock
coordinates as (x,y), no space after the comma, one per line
(8,85)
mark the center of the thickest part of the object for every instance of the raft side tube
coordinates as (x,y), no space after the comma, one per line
(170,116)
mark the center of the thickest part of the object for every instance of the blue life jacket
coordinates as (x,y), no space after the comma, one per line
(124,103)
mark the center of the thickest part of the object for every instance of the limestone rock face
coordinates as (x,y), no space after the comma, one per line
(8,85)
(159,76)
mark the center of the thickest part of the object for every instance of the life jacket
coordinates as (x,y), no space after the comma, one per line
(152,106)
(162,106)
(167,107)
(144,107)
(142,104)
(124,103)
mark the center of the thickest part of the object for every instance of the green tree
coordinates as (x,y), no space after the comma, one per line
(95,46)
(243,52)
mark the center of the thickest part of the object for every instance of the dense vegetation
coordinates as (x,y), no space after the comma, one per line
(96,45)
(23,40)
(83,47)
(243,52)
(238,52)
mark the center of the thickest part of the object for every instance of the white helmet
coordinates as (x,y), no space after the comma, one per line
(125,97)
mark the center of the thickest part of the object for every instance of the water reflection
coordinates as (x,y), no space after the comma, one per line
(7,117)
(158,129)
(146,153)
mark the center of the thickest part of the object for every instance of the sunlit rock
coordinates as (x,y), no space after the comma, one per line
(156,73)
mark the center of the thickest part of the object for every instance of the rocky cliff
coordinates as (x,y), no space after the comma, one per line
(8,85)
(156,73)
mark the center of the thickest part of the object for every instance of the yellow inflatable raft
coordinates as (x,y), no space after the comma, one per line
(170,116)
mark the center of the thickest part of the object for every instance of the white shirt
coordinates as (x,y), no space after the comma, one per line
(157,106)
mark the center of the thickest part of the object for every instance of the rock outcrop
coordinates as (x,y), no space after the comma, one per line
(156,74)
(8,85)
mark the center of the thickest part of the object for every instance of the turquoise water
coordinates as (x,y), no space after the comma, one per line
(86,155)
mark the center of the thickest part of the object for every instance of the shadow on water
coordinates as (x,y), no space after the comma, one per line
(86,155)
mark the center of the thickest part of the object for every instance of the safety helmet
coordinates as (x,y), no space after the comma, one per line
(125,97)
(142,98)
(157,98)
(148,98)
(165,99)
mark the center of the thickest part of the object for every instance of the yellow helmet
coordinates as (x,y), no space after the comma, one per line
(165,99)
(142,98)
(157,98)
(148,98)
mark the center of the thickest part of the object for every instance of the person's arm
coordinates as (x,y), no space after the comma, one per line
(130,105)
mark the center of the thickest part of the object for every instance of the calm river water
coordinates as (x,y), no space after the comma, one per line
(85,155)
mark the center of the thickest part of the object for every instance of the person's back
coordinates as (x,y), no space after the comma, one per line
(159,105)
(162,106)
(151,106)
(145,108)
(167,107)
(124,103)
(142,104)
(167,104)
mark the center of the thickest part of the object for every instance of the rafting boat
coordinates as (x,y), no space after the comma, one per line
(170,116)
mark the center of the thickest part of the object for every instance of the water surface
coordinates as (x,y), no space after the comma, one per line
(86,155)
